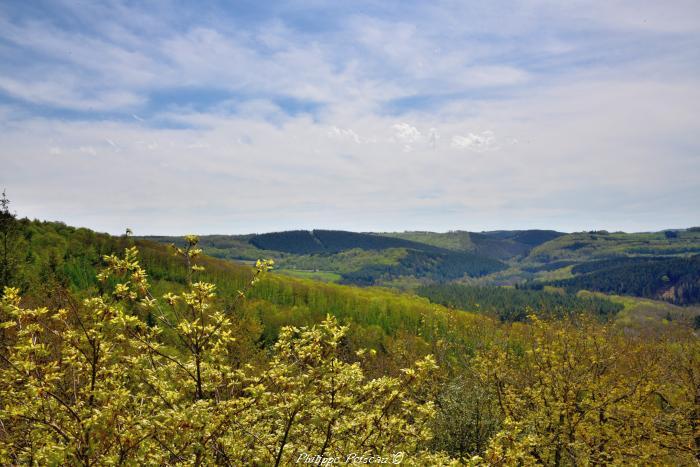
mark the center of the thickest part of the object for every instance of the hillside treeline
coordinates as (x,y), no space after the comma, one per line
(439,267)
(676,280)
(331,241)
(121,352)
(510,304)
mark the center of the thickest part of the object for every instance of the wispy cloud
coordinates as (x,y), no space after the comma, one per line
(230,117)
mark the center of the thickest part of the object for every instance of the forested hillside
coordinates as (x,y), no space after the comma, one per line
(332,241)
(110,342)
(676,280)
(56,254)
(502,245)
(362,259)
(510,304)
(528,237)
(584,246)
(650,265)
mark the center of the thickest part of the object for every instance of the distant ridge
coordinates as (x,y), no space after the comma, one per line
(304,242)
(531,237)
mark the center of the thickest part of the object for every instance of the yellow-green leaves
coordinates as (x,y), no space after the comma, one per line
(10,296)
(94,384)
(584,393)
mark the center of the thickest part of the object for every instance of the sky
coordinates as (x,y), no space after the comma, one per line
(170,117)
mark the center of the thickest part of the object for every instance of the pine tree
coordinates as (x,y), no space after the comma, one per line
(9,230)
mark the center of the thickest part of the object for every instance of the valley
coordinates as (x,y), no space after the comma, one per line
(662,266)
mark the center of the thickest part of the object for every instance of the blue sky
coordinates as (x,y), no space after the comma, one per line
(235,117)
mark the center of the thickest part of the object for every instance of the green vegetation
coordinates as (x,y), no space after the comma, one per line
(330,241)
(584,246)
(528,237)
(456,240)
(169,356)
(676,280)
(324,276)
(10,249)
(234,247)
(94,384)
(509,304)
(362,259)
(482,244)
(431,266)
(346,261)
(617,262)
(643,313)
(62,256)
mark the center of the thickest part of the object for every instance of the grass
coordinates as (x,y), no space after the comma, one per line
(323,276)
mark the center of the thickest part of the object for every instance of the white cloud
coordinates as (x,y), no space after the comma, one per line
(61,92)
(483,141)
(344,133)
(88,150)
(561,168)
(601,102)
(406,134)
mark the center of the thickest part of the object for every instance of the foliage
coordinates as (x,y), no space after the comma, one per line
(399,259)
(457,240)
(468,416)
(277,360)
(324,276)
(553,266)
(338,240)
(431,266)
(510,304)
(330,241)
(235,247)
(676,280)
(643,313)
(585,246)
(502,245)
(94,383)
(600,265)
(581,393)
(345,262)
(293,241)
(535,237)
(9,237)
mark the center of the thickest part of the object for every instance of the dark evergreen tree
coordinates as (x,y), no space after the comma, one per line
(9,232)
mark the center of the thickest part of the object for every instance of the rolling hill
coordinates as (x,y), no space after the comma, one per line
(653,265)
(358,258)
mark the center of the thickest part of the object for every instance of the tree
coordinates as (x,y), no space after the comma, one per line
(574,393)
(467,416)
(9,231)
(95,384)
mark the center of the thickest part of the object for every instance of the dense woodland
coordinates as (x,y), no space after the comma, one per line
(510,304)
(124,351)
(528,237)
(676,280)
(331,241)
(657,265)
(433,266)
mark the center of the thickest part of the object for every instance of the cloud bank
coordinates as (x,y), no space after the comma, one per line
(365,116)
